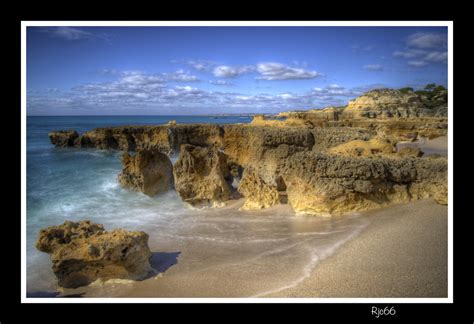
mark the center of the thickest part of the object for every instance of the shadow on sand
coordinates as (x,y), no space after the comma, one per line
(159,261)
(50,294)
(162,261)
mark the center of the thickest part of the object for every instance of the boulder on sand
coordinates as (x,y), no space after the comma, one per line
(82,252)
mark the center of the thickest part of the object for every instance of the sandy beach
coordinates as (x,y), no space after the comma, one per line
(399,251)
(402,253)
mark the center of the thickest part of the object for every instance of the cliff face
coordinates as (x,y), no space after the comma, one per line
(380,104)
(202,176)
(148,171)
(166,139)
(327,184)
(385,103)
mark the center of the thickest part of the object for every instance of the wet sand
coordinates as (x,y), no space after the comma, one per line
(403,253)
(399,251)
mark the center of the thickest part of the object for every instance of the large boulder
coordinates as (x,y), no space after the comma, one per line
(202,176)
(148,171)
(82,252)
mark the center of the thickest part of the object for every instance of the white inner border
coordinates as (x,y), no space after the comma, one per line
(448,24)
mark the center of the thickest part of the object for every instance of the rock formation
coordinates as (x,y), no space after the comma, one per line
(385,103)
(273,160)
(363,148)
(63,138)
(82,252)
(410,151)
(327,184)
(148,171)
(260,194)
(202,176)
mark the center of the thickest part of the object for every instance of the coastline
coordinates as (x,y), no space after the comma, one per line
(231,252)
(402,253)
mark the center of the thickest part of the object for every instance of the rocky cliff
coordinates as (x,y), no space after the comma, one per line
(381,104)
(385,103)
(322,162)
(328,184)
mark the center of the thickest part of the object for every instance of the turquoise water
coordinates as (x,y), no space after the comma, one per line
(76,184)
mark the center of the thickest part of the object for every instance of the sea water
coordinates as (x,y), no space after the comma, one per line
(279,248)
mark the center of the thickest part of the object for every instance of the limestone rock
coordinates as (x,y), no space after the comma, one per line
(327,137)
(261,120)
(82,252)
(259,194)
(384,103)
(63,138)
(202,176)
(248,145)
(363,148)
(148,171)
(327,184)
(410,151)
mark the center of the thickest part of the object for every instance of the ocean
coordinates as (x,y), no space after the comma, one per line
(275,247)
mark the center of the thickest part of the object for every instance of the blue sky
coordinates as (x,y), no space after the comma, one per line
(203,70)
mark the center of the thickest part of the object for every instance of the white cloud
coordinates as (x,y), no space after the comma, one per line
(427,40)
(373,67)
(436,56)
(201,65)
(279,71)
(424,48)
(68,33)
(335,90)
(417,63)
(72,34)
(409,53)
(139,76)
(138,92)
(180,76)
(285,96)
(224,71)
(221,82)
(137,79)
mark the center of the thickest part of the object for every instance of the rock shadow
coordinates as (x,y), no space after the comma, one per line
(51,294)
(162,261)
(42,294)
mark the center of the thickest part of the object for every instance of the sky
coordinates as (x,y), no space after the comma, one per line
(215,70)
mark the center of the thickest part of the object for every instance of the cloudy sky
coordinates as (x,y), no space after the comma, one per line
(205,70)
